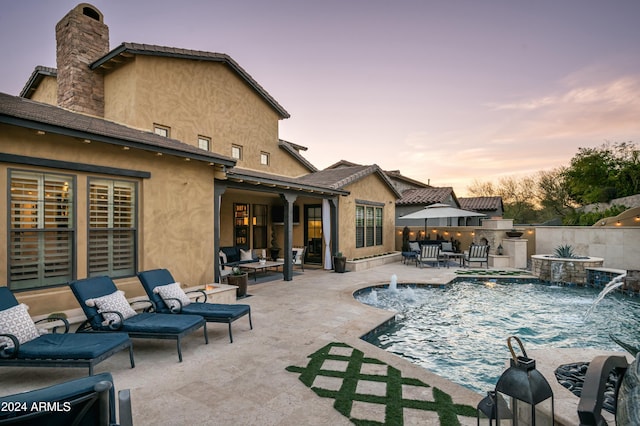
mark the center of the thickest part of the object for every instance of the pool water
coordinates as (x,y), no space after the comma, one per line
(460,331)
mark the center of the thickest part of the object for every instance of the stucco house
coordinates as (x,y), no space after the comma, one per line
(144,156)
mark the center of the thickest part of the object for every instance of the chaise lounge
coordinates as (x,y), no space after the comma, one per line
(163,291)
(86,401)
(22,345)
(107,310)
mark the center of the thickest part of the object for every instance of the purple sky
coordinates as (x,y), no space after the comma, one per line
(446,91)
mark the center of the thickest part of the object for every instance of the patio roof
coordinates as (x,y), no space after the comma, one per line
(275,183)
(339,177)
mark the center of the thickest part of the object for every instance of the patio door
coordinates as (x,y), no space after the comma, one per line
(313,233)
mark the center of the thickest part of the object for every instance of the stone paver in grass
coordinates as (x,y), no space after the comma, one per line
(374,393)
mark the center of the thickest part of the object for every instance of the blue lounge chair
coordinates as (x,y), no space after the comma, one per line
(212,312)
(86,401)
(57,349)
(148,325)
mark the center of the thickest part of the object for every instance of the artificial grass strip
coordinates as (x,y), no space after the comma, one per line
(392,400)
(488,272)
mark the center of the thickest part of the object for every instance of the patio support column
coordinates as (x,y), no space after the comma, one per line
(288,199)
(218,190)
(335,240)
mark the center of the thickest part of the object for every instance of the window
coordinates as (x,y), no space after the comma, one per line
(204,143)
(259,226)
(161,130)
(236,152)
(241,225)
(359,226)
(368,226)
(42,230)
(264,158)
(112,228)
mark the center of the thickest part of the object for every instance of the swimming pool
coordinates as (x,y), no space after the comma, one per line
(460,331)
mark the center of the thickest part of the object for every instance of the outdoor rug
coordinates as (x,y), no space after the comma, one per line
(370,392)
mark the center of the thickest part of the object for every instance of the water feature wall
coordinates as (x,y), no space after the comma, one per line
(563,270)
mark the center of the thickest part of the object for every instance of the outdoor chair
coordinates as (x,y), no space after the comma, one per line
(107,310)
(429,253)
(84,402)
(22,344)
(298,256)
(169,298)
(626,397)
(478,254)
(412,254)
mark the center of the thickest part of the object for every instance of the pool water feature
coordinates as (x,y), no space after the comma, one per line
(460,331)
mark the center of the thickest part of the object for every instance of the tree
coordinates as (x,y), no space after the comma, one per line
(601,174)
(553,194)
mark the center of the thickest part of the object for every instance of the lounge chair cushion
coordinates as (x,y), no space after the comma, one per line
(627,412)
(170,292)
(16,321)
(148,322)
(114,302)
(414,246)
(71,345)
(216,311)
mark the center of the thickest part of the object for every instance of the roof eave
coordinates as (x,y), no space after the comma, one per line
(64,131)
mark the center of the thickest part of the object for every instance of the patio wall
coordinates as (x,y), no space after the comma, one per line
(619,246)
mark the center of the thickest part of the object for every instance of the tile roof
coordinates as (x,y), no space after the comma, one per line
(425,196)
(125,50)
(340,177)
(395,174)
(481,203)
(39,116)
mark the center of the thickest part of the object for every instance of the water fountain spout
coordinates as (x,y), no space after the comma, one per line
(615,283)
(393,284)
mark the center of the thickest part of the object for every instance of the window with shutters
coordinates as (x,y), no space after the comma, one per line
(368,226)
(41,230)
(112,228)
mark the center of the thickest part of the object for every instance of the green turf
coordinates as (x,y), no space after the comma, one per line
(349,365)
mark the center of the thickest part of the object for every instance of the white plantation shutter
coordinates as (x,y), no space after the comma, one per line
(112,228)
(41,230)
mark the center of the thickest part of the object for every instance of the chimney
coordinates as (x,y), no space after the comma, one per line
(81,38)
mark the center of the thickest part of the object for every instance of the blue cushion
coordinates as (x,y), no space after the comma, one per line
(90,288)
(71,346)
(62,392)
(160,323)
(7,299)
(216,311)
(152,279)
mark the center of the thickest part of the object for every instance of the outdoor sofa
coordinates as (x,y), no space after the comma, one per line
(107,311)
(23,345)
(168,297)
(232,256)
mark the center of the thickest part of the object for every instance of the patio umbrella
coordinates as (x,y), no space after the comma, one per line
(438,211)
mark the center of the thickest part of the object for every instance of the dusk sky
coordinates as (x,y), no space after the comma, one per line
(444,91)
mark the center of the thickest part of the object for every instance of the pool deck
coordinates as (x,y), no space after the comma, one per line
(246,382)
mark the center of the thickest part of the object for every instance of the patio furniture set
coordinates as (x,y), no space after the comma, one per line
(442,252)
(111,322)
